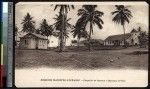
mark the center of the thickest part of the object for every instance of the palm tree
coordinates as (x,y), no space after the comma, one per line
(28,24)
(89,14)
(16,34)
(122,15)
(79,32)
(63,11)
(46,29)
(38,31)
(57,27)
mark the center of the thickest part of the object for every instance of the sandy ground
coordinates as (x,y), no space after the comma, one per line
(102,68)
(81,60)
(49,77)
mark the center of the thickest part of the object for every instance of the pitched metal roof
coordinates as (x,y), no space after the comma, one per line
(36,35)
(118,37)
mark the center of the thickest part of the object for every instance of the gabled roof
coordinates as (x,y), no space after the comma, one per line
(34,35)
(118,37)
(134,31)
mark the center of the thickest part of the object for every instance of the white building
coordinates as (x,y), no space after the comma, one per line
(33,41)
(118,40)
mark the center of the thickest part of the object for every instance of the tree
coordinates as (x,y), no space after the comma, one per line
(45,29)
(63,11)
(143,39)
(79,32)
(57,28)
(38,31)
(28,24)
(122,15)
(16,34)
(89,14)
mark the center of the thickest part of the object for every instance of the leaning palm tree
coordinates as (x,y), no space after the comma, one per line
(89,14)
(122,15)
(63,11)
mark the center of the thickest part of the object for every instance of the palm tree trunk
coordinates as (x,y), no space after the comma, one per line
(89,40)
(78,42)
(61,33)
(124,36)
(47,43)
(58,42)
(16,40)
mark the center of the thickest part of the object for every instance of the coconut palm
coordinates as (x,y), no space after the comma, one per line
(89,14)
(79,32)
(28,24)
(63,11)
(122,15)
(38,31)
(45,29)
(58,29)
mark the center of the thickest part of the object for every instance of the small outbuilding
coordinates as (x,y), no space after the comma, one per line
(33,41)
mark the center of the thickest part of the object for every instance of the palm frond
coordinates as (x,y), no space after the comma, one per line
(99,19)
(81,12)
(98,13)
(114,12)
(98,23)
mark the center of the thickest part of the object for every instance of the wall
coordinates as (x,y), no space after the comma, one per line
(42,44)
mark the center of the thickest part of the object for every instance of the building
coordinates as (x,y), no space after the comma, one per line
(94,42)
(118,40)
(33,41)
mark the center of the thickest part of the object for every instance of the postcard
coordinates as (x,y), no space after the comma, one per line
(81,44)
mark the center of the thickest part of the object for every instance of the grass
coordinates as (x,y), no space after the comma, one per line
(96,59)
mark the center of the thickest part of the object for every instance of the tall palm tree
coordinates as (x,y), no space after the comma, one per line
(28,24)
(122,15)
(89,14)
(46,29)
(79,32)
(63,11)
(57,27)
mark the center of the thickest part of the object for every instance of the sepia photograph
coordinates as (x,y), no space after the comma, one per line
(81,44)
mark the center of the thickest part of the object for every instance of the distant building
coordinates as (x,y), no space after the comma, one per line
(118,40)
(94,42)
(33,41)
(75,43)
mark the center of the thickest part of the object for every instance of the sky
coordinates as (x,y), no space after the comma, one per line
(45,10)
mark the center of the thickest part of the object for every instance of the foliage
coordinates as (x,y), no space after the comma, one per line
(122,14)
(143,39)
(28,24)
(89,14)
(45,29)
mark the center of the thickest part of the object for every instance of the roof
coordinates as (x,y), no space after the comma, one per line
(92,40)
(36,35)
(97,40)
(118,37)
(134,31)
